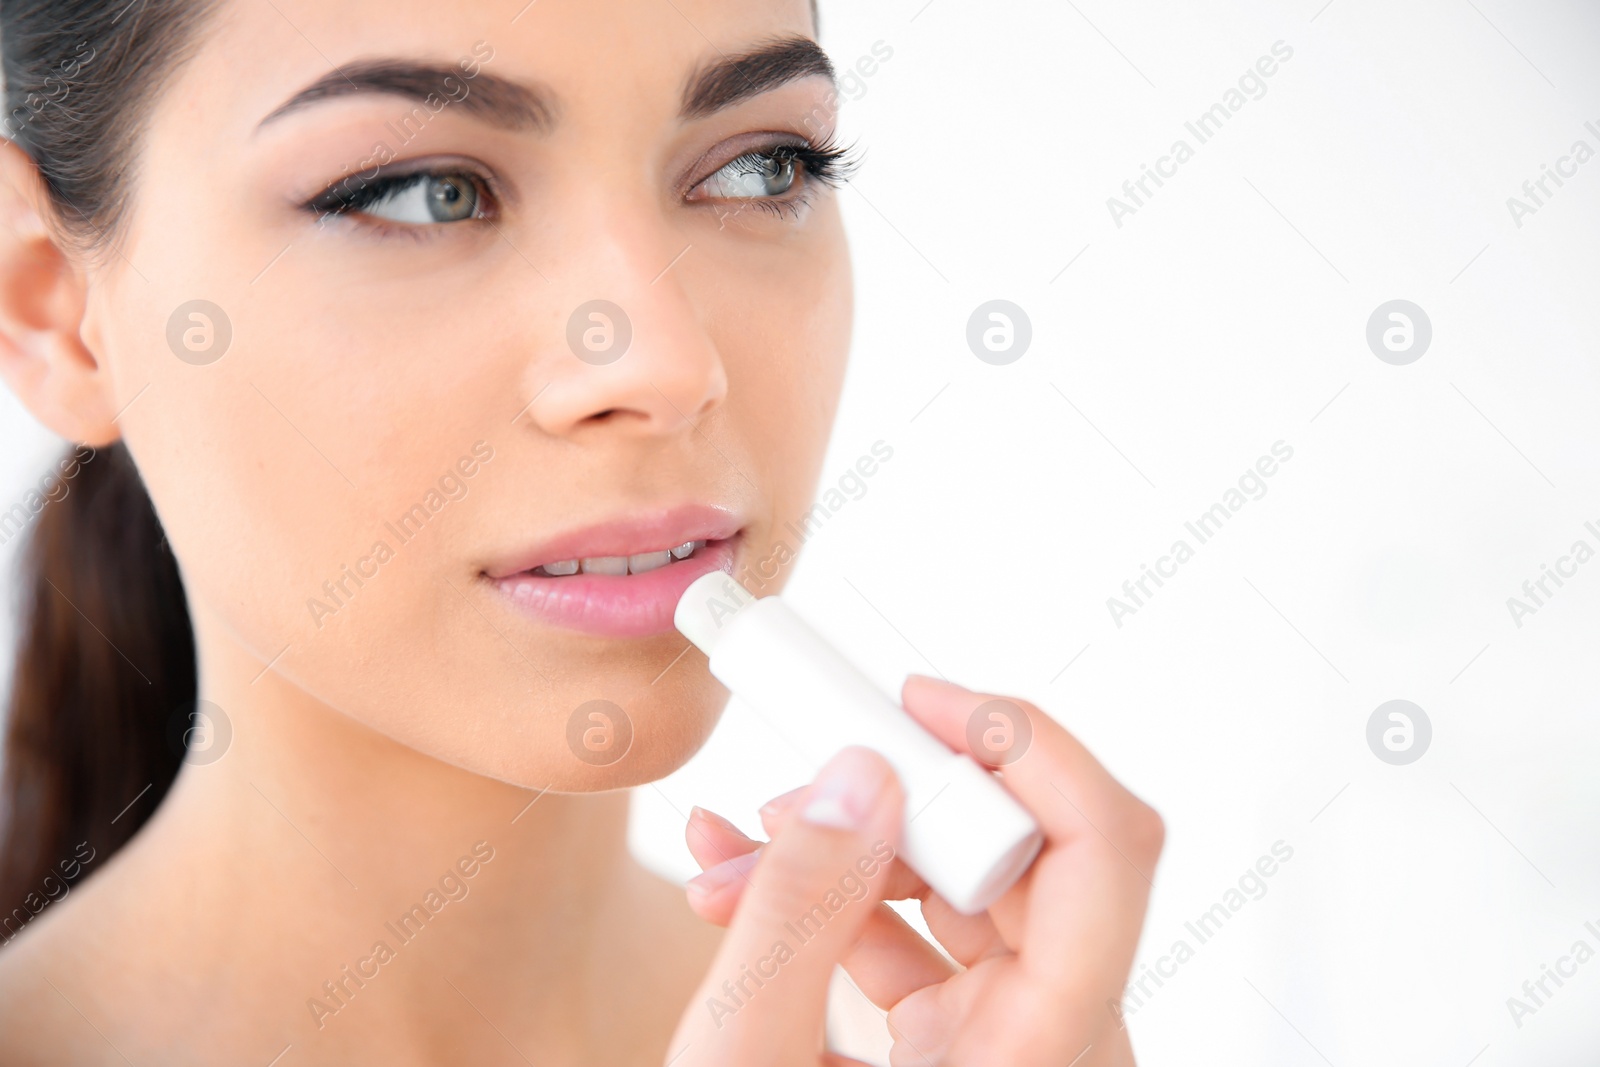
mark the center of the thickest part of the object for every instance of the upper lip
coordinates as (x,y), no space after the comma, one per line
(643,531)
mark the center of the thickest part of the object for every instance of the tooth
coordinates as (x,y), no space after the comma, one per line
(648,561)
(606,565)
(684,549)
(566,566)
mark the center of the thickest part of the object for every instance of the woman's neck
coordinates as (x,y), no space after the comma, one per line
(353,894)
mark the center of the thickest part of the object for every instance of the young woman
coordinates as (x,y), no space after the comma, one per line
(416,357)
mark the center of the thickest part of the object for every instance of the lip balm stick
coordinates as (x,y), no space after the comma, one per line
(964,834)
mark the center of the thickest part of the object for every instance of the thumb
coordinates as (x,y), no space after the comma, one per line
(810,896)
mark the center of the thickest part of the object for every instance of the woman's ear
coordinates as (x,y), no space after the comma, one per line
(42,301)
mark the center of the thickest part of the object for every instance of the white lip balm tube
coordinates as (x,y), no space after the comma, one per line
(964,834)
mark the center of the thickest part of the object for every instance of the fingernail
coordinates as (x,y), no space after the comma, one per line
(845,791)
(716,820)
(781,801)
(725,873)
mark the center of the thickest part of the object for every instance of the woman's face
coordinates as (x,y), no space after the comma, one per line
(418,399)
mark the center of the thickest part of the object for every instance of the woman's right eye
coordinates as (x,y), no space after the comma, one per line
(421,199)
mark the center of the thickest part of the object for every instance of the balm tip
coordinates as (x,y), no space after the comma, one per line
(707,605)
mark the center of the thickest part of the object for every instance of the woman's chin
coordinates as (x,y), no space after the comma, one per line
(605,744)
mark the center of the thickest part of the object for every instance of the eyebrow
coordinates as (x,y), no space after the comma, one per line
(735,78)
(517,105)
(499,101)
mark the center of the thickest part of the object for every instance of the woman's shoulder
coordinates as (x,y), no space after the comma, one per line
(43,1022)
(72,976)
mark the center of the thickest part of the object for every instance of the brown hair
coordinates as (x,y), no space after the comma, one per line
(105,654)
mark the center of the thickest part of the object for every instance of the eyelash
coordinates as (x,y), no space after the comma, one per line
(335,201)
(827,164)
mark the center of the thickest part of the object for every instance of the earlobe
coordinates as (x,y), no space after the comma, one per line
(42,300)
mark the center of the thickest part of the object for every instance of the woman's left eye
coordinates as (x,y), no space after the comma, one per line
(755,174)
(415,199)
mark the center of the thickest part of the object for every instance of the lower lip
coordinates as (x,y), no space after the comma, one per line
(614,605)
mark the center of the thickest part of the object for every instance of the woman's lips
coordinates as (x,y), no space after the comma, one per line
(636,603)
(614,605)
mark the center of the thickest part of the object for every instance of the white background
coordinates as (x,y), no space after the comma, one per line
(1227,314)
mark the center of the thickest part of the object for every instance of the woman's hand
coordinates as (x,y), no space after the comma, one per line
(1041,973)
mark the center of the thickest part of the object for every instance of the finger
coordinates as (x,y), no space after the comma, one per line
(782,801)
(970,939)
(811,893)
(890,959)
(903,883)
(1076,917)
(714,893)
(715,843)
(726,857)
(713,839)
(967,938)
(1053,767)
(924,1023)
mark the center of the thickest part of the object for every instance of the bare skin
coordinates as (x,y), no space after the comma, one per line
(415,740)
(387,739)
(221,902)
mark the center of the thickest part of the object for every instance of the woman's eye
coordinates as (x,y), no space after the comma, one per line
(426,198)
(757,174)
(416,199)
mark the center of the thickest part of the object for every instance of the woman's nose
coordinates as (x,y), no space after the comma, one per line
(635,353)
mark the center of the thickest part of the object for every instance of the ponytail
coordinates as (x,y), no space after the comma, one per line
(106,655)
(105,661)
